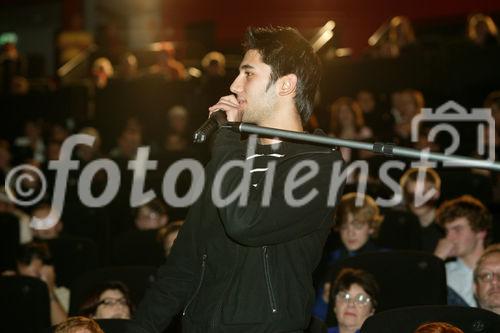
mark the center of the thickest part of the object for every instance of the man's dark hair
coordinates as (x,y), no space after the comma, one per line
(28,252)
(349,276)
(287,52)
(470,208)
(157,206)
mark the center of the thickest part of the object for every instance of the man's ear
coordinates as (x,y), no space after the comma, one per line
(287,84)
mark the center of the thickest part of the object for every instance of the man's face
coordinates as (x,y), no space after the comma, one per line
(366,101)
(354,234)
(255,97)
(487,286)
(412,190)
(147,219)
(465,240)
(408,108)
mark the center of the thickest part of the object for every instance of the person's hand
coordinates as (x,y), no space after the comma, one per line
(48,275)
(8,273)
(326,292)
(231,106)
(445,249)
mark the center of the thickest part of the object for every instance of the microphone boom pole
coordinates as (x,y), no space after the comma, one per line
(387,149)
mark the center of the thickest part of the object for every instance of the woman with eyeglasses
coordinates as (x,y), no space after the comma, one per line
(355,298)
(110,300)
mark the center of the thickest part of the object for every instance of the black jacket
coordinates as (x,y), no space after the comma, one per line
(247,268)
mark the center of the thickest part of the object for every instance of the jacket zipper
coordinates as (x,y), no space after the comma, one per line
(218,309)
(203,265)
(270,290)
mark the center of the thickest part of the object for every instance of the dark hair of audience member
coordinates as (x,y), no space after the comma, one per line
(349,276)
(92,302)
(368,212)
(26,253)
(469,207)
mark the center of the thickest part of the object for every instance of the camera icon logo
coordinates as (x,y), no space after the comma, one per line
(452,112)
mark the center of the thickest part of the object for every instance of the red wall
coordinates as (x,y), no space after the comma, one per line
(358,19)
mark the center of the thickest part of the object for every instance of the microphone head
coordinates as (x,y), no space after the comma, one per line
(216,119)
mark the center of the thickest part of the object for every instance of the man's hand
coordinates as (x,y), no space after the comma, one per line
(48,275)
(231,106)
(445,249)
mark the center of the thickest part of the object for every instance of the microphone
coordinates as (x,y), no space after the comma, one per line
(212,124)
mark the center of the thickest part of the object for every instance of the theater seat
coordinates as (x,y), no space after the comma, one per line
(9,240)
(24,305)
(137,279)
(469,320)
(316,325)
(72,256)
(399,231)
(137,247)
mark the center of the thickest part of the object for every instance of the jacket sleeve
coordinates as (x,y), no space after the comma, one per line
(174,285)
(255,224)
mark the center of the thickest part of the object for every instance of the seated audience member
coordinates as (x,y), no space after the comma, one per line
(438,327)
(493,102)
(406,105)
(391,39)
(355,295)
(357,224)
(5,159)
(30,146)
(129,67)
(168,234)
(417,184)
(129,141)
(78,325)
(86,153)
(167,64)
(487,279)
(102,71)
(110,300)
(177,136)
(467,223)
(13,66)
(152,215)
(482,30)
(377,120)
(347,122)
(8,208)
(33,260)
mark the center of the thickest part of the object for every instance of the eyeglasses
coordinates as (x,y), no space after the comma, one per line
(113,301)
(488,276)
(359,299)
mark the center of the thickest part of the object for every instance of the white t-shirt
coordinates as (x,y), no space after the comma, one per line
(460,278)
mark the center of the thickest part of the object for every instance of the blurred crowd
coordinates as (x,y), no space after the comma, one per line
(457,226)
